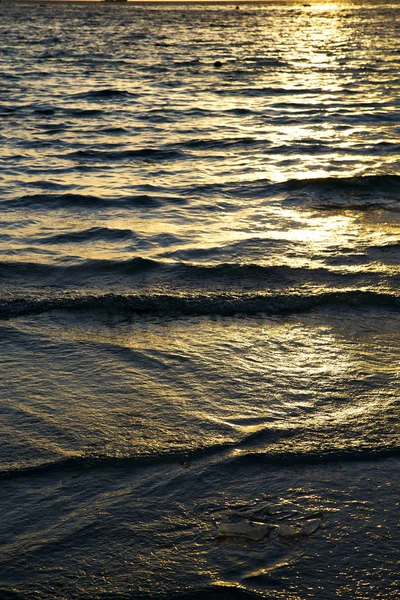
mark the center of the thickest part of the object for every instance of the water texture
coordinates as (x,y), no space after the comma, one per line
(199,301)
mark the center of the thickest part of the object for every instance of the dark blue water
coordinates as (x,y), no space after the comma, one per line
(199,307)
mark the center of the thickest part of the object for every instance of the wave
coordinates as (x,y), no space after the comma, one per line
(145,154)
(89,235)
(45,110)
(35,109)
(105,94)
(83,112)
(264,61)
(267,91)
(309,146)
(240,112)
(390,183)
(178,151)
(349,193)
(8,110)
(313,458)
(346,193)
(73,201)
(92,462)
(223,304)
(56,201)
(360,192)
(115,130)
(385,253)
(131,266)
(88,268)
(200,143)
(170,114)
(82,463)
(182,275)
(391,247)
(246,247)
(48,184)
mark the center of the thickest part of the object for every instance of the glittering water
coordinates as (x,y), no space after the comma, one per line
(199,271)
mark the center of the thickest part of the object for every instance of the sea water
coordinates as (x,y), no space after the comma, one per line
(199,301)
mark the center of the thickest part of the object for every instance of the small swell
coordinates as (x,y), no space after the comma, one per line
(73,201)
(86,463)
(349,193)
(224,305)
(89,235)
(265,62)
(83,112)
(56,201)
(88,268)
(230,250)
(260,188)
(228,272)
(363,192)
(115,130)
(267,91)
(240,111)
(48,185)
(391,247)
(389,183)
(45,110)
(145,154)
(105,94)
(313,458)
(209,144)
(129,267)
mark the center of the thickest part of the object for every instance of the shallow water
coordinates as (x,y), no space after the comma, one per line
(199,300)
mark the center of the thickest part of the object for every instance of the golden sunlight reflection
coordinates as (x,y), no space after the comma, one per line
(199,266)
(269,372)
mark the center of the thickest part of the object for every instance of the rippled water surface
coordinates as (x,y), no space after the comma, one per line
(199,308)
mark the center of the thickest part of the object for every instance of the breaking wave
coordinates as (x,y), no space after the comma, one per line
(232,454)
(219,304)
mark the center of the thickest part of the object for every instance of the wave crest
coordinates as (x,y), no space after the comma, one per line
(105,94)
(224,304)
(347,193)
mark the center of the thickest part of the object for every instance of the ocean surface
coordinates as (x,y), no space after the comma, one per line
(199,301)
